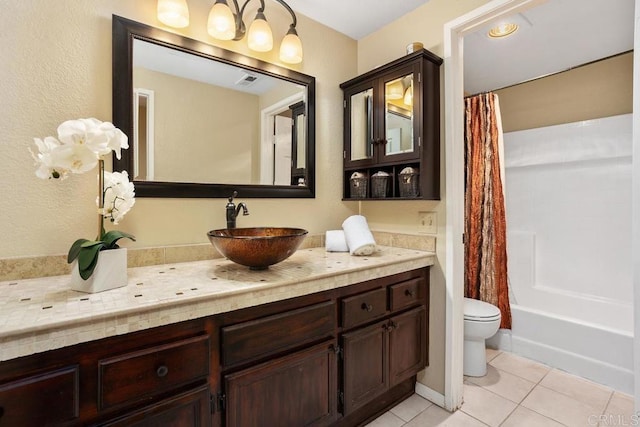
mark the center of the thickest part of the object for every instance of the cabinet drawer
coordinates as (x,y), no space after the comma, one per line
(363,307)
(21,401)
(142,374)
(405,294)
(279,332)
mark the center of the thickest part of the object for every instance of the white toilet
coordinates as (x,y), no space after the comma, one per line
(481,321)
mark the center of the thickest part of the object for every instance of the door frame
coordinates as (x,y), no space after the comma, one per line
(454,32)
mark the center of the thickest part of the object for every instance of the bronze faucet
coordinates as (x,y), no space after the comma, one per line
(233,211)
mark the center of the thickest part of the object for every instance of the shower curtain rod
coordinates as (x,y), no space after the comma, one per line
(550,74)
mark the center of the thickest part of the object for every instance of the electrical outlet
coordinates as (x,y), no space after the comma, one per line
(427,223)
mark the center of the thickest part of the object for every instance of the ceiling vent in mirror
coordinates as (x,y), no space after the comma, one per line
(246,80)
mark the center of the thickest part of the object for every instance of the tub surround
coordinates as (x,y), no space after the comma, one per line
(43,313)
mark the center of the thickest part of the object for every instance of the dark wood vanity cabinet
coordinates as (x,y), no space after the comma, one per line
(338,357)
(391,123)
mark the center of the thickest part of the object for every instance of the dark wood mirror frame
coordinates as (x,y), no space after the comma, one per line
(124,32)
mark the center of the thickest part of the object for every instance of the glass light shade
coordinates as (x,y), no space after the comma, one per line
(221,23)
(408,96)
(174,13)
(394,90)
(291,48)
(259,36)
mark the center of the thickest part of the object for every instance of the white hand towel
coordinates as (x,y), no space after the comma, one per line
(334,241)
(358,236)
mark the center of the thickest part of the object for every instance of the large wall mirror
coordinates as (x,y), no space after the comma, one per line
(203,121)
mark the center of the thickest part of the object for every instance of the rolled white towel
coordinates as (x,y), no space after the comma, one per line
(358,236)
(335,241)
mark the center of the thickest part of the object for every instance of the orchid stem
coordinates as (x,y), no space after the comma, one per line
(100,198)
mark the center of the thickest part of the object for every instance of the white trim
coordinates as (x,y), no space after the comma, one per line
(149,94)
(454,178)
(429,394)
(266,134)
(635,205)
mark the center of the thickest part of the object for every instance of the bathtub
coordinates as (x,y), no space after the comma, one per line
(568,200)
(592,351)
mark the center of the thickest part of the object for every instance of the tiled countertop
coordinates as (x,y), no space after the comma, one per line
(42,314)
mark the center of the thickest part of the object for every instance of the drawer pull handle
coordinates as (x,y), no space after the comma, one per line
(162,371)
(408,293)
(367,307)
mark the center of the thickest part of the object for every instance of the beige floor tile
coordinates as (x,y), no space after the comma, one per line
(520,366)
(491,354)
(620,411)
(504,384)
(560,407)
(386,420)
(410,407)
(486,406)
(583,390)
(435,416)
(526,417)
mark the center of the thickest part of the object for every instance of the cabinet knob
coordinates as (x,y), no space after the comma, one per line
(162,371)
(367,307)
(409,293)
(392,326)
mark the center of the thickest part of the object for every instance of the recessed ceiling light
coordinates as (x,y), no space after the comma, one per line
(503,30)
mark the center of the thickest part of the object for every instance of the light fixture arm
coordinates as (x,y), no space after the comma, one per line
(241,28)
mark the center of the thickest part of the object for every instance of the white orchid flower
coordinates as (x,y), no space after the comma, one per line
(47,159)
(119,195)
(77,158)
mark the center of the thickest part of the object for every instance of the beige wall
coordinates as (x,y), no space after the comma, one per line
(426,25)
(197,137)
(600,89)
(56,65)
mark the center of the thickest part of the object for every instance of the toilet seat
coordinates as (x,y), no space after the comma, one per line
(480,311)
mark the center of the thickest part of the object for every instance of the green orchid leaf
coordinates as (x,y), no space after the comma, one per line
(88,258)
(111,237)
(74,251)
(90,243)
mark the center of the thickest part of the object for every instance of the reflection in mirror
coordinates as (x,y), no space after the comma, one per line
(362,125)
(399,115)
(205,121)
(207,117)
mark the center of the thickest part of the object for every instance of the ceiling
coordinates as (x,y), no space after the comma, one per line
(555,36)
(355,18)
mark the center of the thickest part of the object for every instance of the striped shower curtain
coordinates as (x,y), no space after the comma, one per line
(485,222)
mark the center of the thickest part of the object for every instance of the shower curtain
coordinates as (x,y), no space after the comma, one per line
(485,222)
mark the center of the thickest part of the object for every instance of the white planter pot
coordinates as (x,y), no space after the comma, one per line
(110,272)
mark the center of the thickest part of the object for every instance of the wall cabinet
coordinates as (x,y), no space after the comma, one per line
(334,358)
(392,122)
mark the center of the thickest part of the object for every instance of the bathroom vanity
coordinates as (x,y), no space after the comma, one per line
(320,339)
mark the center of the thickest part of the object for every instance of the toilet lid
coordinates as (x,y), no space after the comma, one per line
(476,309)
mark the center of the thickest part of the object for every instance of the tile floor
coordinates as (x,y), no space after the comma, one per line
(517,392)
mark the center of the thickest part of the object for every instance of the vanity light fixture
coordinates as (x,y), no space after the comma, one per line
(408,96)
(225,23)
(174,13)
(503,30)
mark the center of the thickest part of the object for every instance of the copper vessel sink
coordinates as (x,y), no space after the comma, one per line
(258,247)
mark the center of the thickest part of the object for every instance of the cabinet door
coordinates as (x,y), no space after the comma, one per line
(360,121)
(407,345)
(399,113)
(365,365)
(185,410)
(295,390)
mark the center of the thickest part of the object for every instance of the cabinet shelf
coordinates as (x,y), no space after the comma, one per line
(392,121)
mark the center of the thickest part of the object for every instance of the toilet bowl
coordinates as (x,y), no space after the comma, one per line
(481,321)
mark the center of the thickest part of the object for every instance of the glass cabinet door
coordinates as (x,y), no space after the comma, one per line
(399,116)
(361,125)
